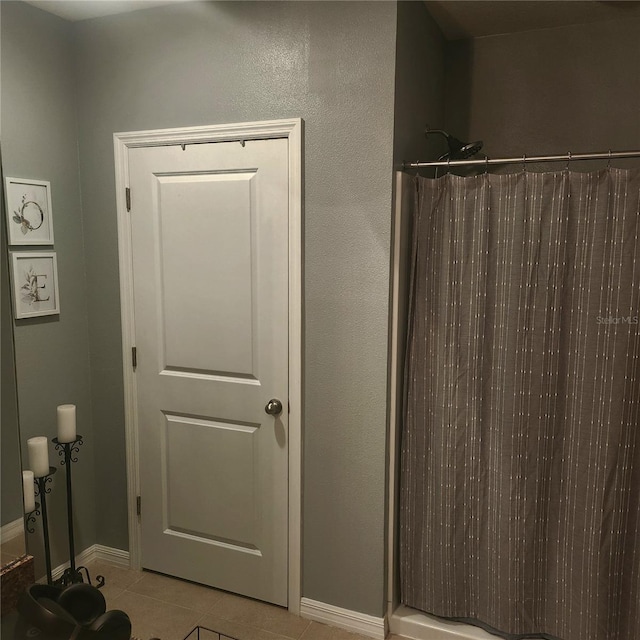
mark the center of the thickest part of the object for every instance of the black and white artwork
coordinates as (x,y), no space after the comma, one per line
(35,284)
(29,214)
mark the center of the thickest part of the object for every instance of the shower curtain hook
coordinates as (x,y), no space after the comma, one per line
(609,160)
(568,161)
(524,162)
(486,165)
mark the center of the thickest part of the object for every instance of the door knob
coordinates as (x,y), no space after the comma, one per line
(273,407)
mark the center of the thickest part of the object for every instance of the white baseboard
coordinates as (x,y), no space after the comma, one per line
(421,626)
(83,558)
(12,530)
(344,618)
(93,553)
(112,555)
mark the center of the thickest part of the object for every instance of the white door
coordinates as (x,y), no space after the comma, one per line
(209,228)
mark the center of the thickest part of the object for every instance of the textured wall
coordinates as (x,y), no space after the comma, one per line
(419,101)
(573,89)
(52,353)
(419,82)
(333,65)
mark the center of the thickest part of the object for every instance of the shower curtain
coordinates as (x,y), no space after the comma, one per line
(520,460)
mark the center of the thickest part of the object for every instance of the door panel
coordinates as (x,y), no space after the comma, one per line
(228,451)
(194,210)
(209,230)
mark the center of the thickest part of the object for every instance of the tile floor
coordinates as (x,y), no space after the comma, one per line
(168,609)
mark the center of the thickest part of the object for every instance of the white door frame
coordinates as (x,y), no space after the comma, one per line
(292,130)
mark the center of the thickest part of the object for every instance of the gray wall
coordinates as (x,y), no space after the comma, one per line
(419,101)
(572,88)
(419,84)
(333,65)
(52,353)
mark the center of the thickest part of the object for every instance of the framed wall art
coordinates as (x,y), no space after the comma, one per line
(29,214)
(35,284)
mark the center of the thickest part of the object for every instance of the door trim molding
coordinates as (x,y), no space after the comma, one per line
(292,130)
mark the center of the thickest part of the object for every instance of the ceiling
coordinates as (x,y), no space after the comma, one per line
(460,19)
(75,10)
(456,18)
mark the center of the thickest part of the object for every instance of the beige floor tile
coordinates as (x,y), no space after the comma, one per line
(153,618)
(114,575)
(178,592)
(110,593)
(319,631)
(235,629)
(258,614)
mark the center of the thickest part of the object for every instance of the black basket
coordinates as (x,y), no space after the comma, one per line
(204,633)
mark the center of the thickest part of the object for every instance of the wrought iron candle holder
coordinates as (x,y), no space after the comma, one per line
(30,519)
(72,574)
(41,491)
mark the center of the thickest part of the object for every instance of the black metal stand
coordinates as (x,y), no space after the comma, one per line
(72,574)
(194,634)
(42,491)
(30,519)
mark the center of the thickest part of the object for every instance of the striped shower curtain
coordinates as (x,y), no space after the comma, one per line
(520,470)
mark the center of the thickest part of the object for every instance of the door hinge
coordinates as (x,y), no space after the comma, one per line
(127,195)
(134,357)
(138,505)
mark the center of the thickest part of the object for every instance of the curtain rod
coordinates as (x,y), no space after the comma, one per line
(600,155)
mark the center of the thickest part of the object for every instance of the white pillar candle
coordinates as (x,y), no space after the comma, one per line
(66,423)
(38,456)
(28,492)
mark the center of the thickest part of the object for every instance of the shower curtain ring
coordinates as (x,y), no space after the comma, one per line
(568,161)
(486,165)
(524,162)
(609,160)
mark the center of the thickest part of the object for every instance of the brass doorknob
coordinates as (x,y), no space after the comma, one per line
(273,407)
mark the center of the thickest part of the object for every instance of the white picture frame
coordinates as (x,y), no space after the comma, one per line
(34,277)
(29,211)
